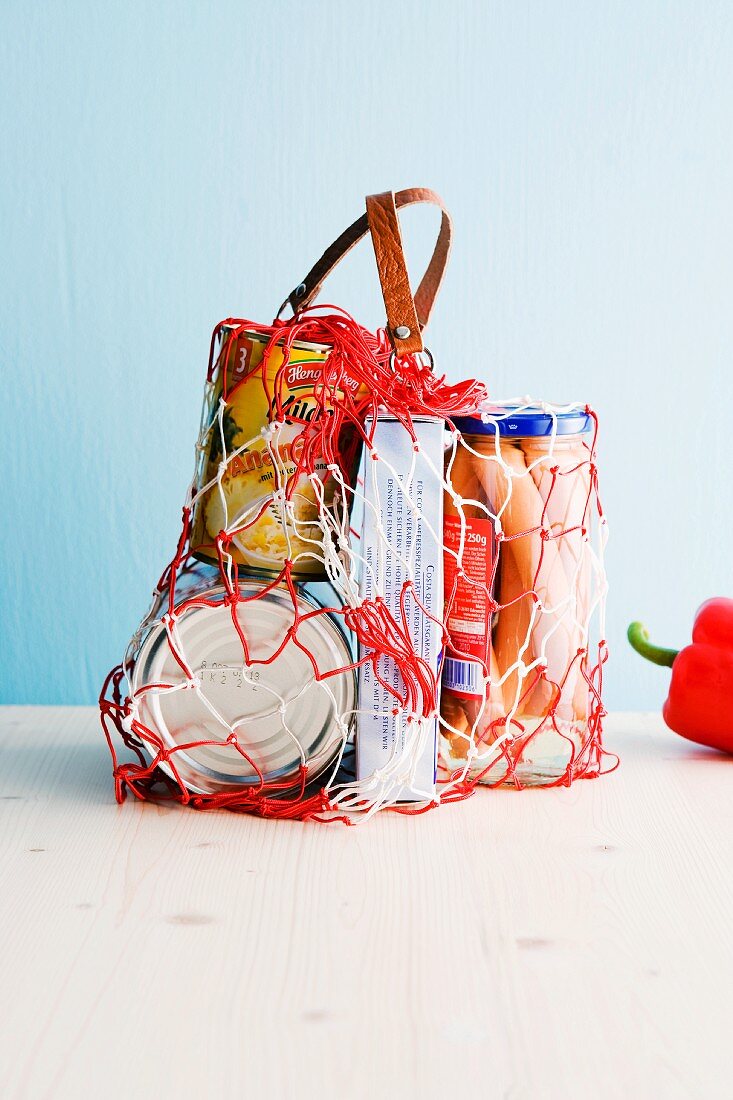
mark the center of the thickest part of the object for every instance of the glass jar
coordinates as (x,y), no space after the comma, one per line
(265,406)
(519,701)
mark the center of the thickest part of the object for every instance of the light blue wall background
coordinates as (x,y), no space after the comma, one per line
(165,165)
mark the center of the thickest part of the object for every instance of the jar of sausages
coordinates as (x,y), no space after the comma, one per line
(520,700)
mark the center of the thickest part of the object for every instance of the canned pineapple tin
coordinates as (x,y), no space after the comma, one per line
(245,484)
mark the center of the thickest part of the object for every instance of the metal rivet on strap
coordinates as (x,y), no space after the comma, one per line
(402,332)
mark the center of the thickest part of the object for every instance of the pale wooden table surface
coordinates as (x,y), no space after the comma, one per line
(546,944)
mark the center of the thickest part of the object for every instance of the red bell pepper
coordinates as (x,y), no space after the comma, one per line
(700,701)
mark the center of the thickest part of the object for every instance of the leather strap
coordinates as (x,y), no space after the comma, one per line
(403,324)
(381,221)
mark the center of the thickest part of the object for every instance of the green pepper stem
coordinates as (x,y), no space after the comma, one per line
(638,635)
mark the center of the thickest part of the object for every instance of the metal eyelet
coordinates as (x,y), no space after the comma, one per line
(425,352)
(299,292)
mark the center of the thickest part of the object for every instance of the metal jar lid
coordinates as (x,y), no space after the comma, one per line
(283,717)
(264,338)
(526,421)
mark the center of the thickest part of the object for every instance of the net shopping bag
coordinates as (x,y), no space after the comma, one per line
(307,608)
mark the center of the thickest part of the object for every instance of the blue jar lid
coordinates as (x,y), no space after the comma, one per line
(527,420)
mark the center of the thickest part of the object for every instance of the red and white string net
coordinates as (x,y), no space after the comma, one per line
(544,675)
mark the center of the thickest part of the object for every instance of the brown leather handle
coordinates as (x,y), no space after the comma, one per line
(381,221)
(403,324)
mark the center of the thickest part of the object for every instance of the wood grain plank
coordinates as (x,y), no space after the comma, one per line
(554,943)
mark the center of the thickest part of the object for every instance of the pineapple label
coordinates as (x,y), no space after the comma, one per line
(243,469)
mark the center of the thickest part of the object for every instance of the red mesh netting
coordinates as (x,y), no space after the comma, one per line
(344,548)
